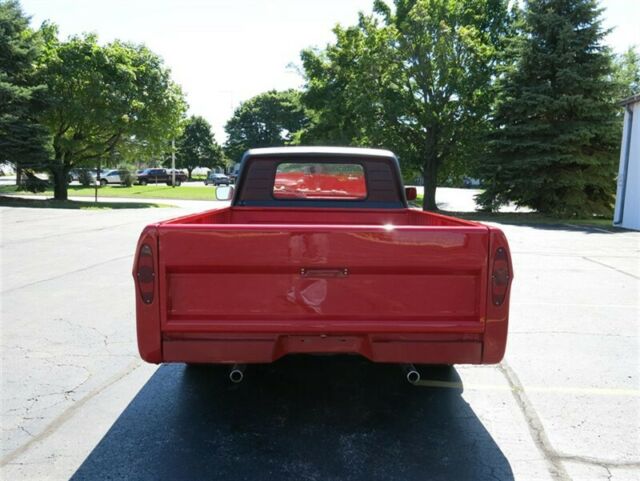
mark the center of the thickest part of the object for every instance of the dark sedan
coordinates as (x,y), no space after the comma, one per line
(217,179)
(160,176)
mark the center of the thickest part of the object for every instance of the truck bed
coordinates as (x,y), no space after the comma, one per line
(243,284)
(313,216)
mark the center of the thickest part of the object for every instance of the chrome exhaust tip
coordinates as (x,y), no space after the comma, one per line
(236,373)
(411,374)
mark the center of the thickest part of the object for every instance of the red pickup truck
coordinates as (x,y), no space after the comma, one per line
(320,253)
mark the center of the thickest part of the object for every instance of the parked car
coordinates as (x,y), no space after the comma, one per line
(113,176)
(471,183)
(160,176)
(88,176)
(74,175)
(319,252)
(234,173)
(217,179)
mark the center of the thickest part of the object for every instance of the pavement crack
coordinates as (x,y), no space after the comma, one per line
(603,463)
(573,333)
(534,423)
(23,429)
(54,425)
(536,428)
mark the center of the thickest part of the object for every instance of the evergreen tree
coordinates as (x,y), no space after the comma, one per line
(23,141)
(554,146)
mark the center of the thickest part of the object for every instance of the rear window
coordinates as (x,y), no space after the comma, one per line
(328,181)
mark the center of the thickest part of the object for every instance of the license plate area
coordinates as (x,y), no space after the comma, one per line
(321,344)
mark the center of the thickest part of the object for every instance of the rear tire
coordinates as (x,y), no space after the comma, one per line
(103,182)
(143,182)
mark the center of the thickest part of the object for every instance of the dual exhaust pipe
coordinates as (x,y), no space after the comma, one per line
(236,373)
(411,374)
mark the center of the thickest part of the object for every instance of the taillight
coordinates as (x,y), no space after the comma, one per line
(145,274)
(500,276)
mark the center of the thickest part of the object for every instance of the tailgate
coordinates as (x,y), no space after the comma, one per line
(240,278)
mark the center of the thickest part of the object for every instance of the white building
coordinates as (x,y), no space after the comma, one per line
(627,212)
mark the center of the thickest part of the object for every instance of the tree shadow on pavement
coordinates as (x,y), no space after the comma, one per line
(7,201)
(301,418)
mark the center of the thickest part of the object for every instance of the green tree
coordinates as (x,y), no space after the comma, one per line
(626,73)
(23,140)
(267,120)
(105,99)
(414,78)
(197,146)
(554,148)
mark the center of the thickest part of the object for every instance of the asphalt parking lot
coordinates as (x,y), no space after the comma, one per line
(78,403)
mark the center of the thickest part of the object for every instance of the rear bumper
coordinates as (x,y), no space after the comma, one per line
(263,348)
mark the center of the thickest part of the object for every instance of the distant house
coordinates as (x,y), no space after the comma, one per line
(627,212)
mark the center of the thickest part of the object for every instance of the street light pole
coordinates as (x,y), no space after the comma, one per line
(173,163)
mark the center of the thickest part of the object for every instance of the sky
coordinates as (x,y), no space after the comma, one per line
(222,52)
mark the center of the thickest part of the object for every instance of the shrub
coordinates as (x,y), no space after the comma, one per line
(33,184)
(126,178)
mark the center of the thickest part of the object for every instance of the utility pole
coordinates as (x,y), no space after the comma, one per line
(173,163)
(97,182)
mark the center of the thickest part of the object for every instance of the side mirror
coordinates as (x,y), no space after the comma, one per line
(224,193)
(411,193)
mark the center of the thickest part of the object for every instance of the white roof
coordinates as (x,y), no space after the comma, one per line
(349,151)
(634,99)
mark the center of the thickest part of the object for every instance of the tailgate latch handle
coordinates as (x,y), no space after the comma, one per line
(311,272)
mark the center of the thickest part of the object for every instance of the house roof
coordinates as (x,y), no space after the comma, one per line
(630,100)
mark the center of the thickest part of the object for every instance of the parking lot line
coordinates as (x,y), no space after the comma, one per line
(545,389)
(575,304)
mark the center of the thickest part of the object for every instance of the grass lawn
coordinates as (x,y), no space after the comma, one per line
(529,218)
(137,191)
(522,217)
(74,204)
(201,193)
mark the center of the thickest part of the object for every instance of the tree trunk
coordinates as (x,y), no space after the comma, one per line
(189,172)
(18,174)
(60,183)
(430,169)
(430,184)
